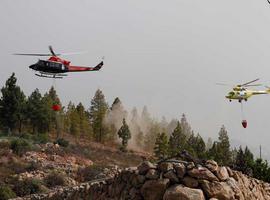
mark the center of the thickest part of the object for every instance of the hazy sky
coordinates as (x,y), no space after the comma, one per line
(167,55)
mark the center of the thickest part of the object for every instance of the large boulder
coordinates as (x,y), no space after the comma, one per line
(154,189)
(222,173)
(190,165)
(202,173)
(137,180)
(212,165)
(219,190)
(165,166)
(190,182)
(152,174)
(238,193)
(180,170)
(145,166)
(172,176)
(177,192)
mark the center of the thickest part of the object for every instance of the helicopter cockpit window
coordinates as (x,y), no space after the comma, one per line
(56,65)
(41,62)
(231,93)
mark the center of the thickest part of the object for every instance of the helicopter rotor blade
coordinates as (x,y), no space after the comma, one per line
(223,84)
(51,50)
(31,54)
(249,82)
(73,53)
(253,85)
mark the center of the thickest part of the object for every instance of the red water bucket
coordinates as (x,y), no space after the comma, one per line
(244,123)
(56,107)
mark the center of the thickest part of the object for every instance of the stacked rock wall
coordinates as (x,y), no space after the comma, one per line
(170,180)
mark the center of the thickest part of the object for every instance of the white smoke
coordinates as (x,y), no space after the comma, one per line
(142,126)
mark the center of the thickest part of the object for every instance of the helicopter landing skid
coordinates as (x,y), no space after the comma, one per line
(48,75)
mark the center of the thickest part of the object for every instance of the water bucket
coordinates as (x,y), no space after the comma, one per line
(244,123)
(56,107)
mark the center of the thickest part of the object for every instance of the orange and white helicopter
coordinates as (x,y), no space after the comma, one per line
(56,67)
(241,92)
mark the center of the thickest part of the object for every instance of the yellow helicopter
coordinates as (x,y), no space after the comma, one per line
(240,91)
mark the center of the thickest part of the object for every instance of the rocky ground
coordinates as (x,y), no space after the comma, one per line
(79,162)
(170,180)
(95,171)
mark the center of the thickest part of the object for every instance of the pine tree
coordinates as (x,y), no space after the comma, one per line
(240,163)
(249,157)
(200,147)
(186,129)
(224,152)
(209,143)
(12,105)
(213,153)
(75,123)
(98,110)
(196,146)
(192,145)
(261,170)
(244,161)
(73,120)
(177,141)
(114,118)
(67,120)
(85,128)
(220,150)
(37,113)
(51,98)
(150,137)
(234,152)
(172,125)
(124,134)
(161,146)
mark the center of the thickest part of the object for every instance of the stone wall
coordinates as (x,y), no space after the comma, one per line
(170,180)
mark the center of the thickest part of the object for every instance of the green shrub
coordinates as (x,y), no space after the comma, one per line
(54,179)
(17,166)
(20,146)
(3,133)
(26,136)
(62,142)
(33,166)
(27,186)
(42,138)
(6,192)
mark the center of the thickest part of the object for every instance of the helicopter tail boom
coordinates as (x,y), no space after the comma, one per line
(267,91)
(81,69)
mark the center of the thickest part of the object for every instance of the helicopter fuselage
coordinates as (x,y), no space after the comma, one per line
(244,94)
(56,65)
(49,67)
